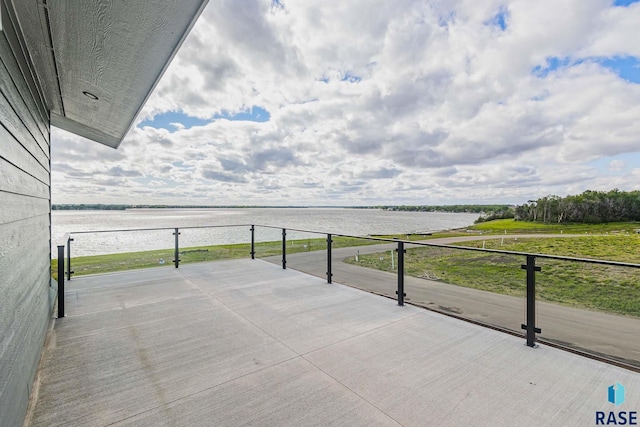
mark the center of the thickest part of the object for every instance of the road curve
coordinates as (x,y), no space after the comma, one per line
(597,332)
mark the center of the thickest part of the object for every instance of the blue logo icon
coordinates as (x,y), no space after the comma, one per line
(616,394)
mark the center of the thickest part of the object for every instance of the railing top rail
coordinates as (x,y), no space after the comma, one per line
(64,240)
(290,229)
(384,240)
(379,239)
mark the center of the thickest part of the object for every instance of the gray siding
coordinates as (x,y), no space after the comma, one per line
(25,229)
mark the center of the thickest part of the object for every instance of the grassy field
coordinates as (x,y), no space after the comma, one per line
(521,227)
(134,260)
(576,284)
(416,237)
(613,247)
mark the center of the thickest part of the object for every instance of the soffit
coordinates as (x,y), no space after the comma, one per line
(116,50)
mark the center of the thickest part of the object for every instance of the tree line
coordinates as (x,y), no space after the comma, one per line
(589,207)
(88,207)
(486,209)
(100,206)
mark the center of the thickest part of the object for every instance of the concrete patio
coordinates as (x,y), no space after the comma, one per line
(247,343)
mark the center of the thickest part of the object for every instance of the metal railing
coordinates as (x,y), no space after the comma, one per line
(531,268)
(64,243)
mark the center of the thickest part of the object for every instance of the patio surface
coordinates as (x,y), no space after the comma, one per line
(247,343)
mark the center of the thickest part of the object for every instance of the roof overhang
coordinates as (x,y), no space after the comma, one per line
(115,51)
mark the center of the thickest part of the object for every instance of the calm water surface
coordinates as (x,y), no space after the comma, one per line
(359,222)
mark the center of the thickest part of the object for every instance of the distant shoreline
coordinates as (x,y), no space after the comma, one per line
(396,208)
(100,207)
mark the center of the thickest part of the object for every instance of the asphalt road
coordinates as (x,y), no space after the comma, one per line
(601,333)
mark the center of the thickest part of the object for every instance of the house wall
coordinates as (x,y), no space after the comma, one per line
(26,295)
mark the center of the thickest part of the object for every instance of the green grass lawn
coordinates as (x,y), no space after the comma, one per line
(417,237)
(134,260)
(613,247)
(523,227)
(576,284)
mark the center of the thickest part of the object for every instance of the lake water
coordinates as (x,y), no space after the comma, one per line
(358,222)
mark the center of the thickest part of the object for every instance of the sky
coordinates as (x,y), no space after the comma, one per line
(344,103)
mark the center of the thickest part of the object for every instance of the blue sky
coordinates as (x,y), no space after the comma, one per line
(500,19)
(624,2)
(627,68)
(327,102)
(618,165)
(175,120)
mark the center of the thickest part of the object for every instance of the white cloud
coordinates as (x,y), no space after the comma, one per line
(616,165)
(378,102)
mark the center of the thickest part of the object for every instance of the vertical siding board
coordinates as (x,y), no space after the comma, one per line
(24,242)
(12,123)
(16,208)
(23,317)
(13,180)
(14,153)
(18,103)
(38,113)
(13,288)
(19,377)
(15,48)
(25,229)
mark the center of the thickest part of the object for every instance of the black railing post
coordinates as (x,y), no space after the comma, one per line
(530,327)
(60,281)
(69,272)
(400,290)
(253,240)
(284,248)
(329,273)
(176,251)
